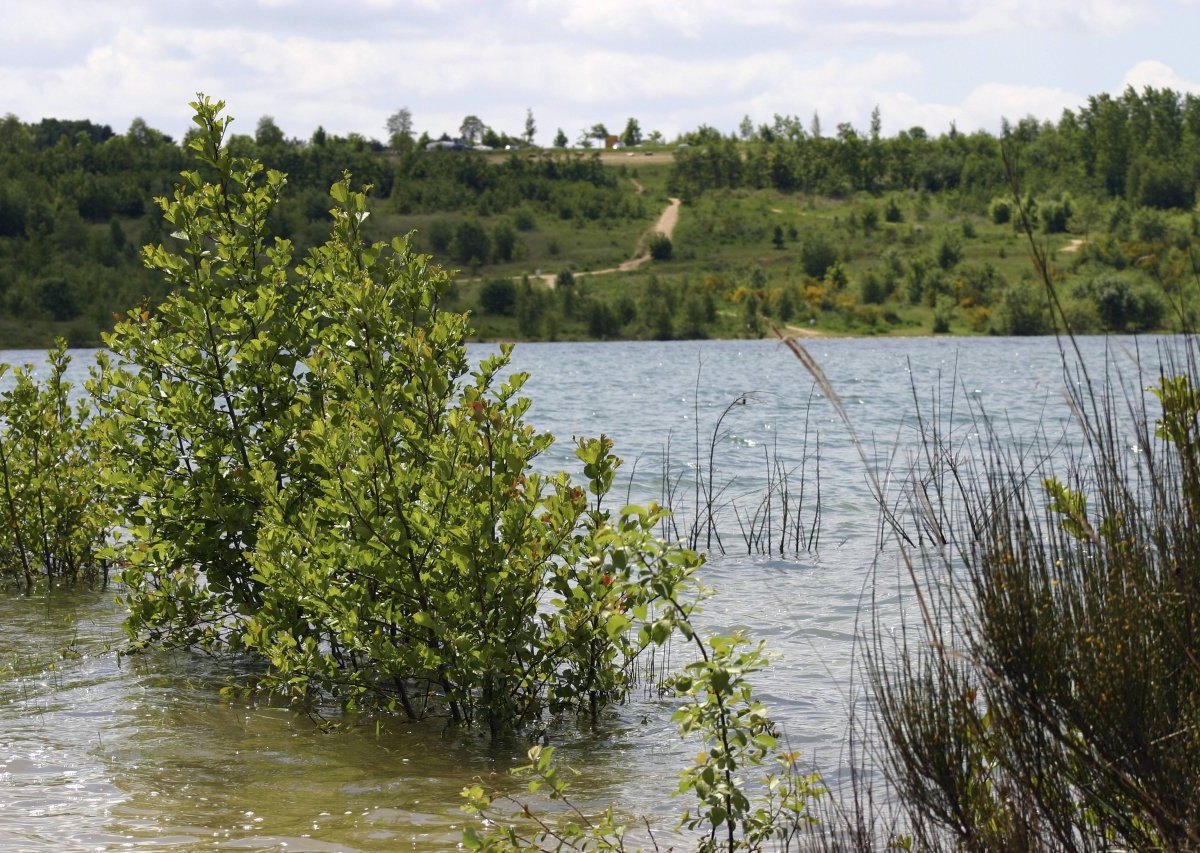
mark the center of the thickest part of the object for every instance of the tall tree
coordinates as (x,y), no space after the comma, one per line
(530,127)
(873,167)
(632,135)
(141,133)
(791,128)
(472,129)
(400,128)
(14,136)
(267,132)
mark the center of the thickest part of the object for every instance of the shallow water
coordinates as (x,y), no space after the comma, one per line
(101,752)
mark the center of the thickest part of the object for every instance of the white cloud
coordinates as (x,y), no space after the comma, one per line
(896,19)
(49,24)
(672,63)
(839,18)
(1157,75)
(628,18)
(987,104)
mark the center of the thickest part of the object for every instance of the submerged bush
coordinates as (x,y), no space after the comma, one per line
(49,480)
(307,471)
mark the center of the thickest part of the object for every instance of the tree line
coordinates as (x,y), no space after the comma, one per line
(77,202)
(76,198)
(1143,147)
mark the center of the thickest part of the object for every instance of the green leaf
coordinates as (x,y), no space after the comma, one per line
(1072,506)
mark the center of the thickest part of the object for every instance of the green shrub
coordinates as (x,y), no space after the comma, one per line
(872,291)
(870,219)
(1000,210)
(1123,305)
(1055,216)
(943,313)
(524,220)
(504,242)
(949,251)
(471,245)
(661,247)
(1149,225)
(499,296)
(747,792)
(440,235)
(1160,183)
(310,473)
(1047,697)
(1024,311)
(50,493)
(817,255)
(56,297)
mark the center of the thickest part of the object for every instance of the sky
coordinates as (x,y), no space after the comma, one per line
(673,65)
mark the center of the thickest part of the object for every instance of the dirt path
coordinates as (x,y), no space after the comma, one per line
(1073,246)
(804,332)
(666,223)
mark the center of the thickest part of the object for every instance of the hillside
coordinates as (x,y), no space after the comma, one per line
(852,233)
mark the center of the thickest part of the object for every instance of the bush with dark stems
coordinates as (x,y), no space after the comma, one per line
(1048,696)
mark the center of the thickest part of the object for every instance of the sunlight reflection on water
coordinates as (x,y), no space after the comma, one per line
(98,752)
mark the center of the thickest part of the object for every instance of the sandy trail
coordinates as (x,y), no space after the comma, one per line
(665,225)
(1073,246)
(803,332)
(667,221)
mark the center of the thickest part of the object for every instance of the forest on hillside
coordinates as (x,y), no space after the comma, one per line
(847,232)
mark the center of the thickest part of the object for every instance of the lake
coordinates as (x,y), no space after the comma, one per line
(102,752)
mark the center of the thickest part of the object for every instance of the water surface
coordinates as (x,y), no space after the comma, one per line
(102,752)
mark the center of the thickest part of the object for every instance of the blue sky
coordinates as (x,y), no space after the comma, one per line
(672,64)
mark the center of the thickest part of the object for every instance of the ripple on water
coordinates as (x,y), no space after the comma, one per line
(101,754)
